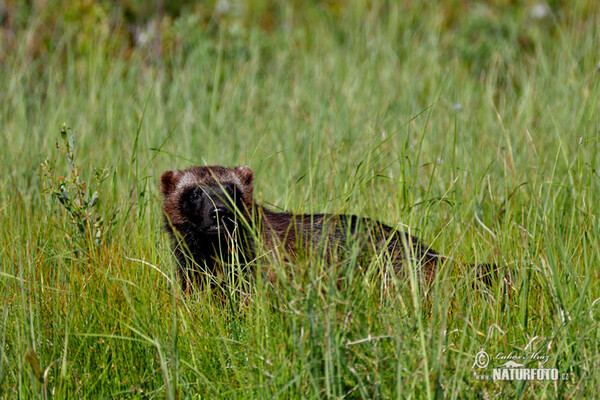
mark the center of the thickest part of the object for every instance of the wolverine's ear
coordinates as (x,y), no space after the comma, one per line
(168,181)
(245,175)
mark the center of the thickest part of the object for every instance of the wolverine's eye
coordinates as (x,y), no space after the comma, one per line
(231,191)
(194,195)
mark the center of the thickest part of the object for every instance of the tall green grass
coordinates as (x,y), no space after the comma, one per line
(485,149)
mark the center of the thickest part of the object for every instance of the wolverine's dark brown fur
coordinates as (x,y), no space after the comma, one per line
(213,219)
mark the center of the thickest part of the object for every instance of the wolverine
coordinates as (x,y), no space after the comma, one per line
(213,220)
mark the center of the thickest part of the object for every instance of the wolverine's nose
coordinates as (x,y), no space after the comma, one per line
(214,213)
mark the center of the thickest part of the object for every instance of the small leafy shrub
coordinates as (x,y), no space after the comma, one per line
(79,199)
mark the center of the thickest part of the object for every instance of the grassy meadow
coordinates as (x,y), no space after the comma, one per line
(474,127)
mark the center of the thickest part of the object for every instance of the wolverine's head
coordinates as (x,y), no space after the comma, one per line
(207,197)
